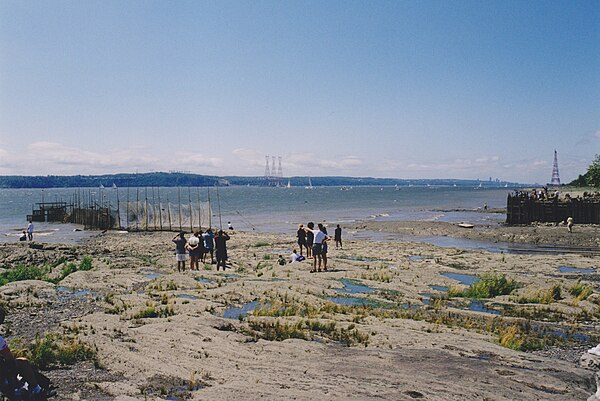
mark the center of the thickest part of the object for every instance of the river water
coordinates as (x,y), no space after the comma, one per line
(266,209)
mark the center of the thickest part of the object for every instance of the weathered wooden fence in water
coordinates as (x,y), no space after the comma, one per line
(524,210)
(103,209)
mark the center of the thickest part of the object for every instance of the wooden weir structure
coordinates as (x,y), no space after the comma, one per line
(104,210)
(521,209)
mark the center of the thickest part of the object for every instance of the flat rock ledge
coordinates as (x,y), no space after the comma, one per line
(592,362)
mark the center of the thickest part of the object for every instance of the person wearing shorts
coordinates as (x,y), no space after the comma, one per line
(180,254)
(317,246)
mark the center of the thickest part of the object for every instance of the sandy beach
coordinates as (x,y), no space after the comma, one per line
(378,325)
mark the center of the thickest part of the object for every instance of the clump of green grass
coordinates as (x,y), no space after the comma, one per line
(86,263)
(171,286)
(56,349)
(266,256)
(488,286)
(580,291)
(152,311)
(22,272)
(261,244)
(306,330)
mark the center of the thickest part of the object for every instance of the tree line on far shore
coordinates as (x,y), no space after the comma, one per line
(179,179)
(591,178)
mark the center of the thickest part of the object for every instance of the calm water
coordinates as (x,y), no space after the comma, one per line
(277,210)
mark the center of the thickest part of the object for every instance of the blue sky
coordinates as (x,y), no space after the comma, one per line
(405,89)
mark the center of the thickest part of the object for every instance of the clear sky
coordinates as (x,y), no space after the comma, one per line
(403,89)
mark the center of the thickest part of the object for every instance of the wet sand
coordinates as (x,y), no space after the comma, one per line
(400,348)
(583,236)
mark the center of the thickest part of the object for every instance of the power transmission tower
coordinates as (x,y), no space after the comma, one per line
(555,177)
(279,170)
(267,171)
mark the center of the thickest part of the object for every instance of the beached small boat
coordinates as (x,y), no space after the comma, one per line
(465,225)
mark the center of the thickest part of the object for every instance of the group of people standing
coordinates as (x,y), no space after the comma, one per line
(315,243)
(198,246)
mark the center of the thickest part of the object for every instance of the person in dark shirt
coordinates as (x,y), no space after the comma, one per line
(310,238)
(180,243)
(337,236)
(221,246)
(301,234)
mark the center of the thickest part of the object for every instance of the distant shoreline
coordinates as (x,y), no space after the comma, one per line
(162,179)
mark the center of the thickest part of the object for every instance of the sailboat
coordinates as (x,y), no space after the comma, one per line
(310,185)
(114,186)
(101,186)
(289,185)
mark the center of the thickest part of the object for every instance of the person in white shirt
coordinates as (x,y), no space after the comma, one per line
(30,231)
(317,248)
(294,257)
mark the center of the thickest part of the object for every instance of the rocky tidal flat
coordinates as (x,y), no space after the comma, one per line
(395,320)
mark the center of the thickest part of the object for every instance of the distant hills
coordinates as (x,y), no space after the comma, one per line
(161,179)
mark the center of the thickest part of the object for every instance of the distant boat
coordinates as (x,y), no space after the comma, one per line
(289,185)
(344,188)
(101,186)
(310,185)
(114,185)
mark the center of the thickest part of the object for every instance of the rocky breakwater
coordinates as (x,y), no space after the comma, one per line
(591,360)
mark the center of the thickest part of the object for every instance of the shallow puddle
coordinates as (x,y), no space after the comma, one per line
(187,296)
(151,275)
(478,306)
(567,269)
(350,301)
(65,292)
(466,279)
(426,297)
(416,258)
(204,280)
(357,258)
(237,313)
(439,288)
(354,287)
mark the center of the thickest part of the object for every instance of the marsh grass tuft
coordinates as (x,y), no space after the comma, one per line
(488,286)
(580,291)
(546,296)
(152,311)
(56,349)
